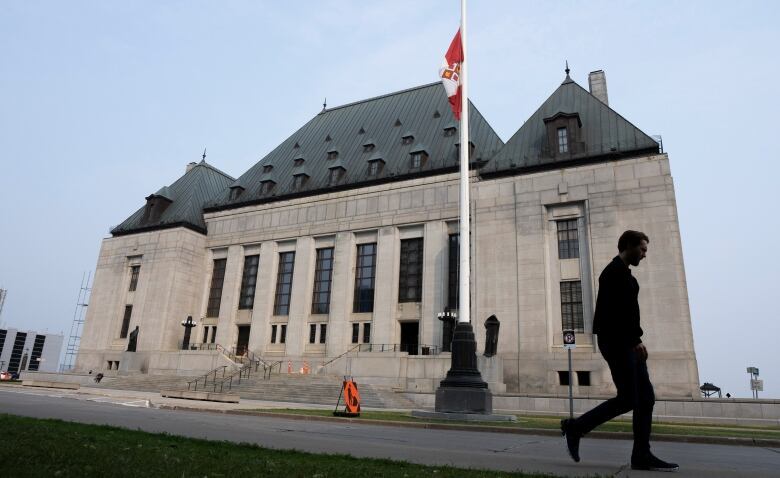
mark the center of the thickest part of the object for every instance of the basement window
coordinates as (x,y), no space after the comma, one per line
(583,378)
(563,377)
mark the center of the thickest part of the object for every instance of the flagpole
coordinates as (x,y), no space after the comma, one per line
(464,279)
(463,390)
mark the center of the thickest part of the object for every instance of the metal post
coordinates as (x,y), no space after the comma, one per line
(571,399)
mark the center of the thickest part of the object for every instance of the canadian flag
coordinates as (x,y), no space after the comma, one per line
(450,73)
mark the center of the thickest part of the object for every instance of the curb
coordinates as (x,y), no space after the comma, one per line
(733,441)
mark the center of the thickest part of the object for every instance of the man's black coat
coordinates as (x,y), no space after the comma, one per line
(616,320)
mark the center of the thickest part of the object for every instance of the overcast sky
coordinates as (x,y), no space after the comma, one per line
(104,102)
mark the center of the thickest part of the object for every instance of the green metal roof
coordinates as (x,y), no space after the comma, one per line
(423,110)
(604,132)
(188,195)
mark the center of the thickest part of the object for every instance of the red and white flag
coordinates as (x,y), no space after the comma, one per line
(450,74)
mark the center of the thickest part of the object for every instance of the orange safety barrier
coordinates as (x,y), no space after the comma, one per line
(351,395)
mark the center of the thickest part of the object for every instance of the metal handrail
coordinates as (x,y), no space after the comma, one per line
(419,349)
(205,378)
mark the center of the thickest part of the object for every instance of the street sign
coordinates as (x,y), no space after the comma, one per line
(752,370)
(757,385)
(569,340)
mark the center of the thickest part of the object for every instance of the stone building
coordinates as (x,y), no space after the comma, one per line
(22,351)
(344,239)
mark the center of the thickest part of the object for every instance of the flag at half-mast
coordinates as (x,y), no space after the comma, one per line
(450,74)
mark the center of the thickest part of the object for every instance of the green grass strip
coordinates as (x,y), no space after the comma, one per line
(554,423)
(54,448)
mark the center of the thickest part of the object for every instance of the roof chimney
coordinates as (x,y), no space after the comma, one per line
(598,85)
(190,166)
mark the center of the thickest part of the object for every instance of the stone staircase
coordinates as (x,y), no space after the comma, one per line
(144,382)
(320,389)
(295,388)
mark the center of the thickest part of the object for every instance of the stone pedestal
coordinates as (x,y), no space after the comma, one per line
(464,391)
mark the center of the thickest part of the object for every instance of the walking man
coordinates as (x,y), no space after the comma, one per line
(616,324)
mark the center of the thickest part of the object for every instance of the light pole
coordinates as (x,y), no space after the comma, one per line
(448,319)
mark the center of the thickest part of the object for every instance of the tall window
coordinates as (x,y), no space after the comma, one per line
(323,274)
(284,284)
(355,332)
(365,273)
(37,351)
(273,333)
(134,270)
(283,334)
(215,293)
(410,276)
(453,277)
(323,332)
(568,239)
(126,321)
(312,333)
(248,282)
(563,140)
(571,306)
(367,332)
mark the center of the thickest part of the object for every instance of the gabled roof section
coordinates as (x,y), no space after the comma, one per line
(604,134)
(188,195)
(414,108)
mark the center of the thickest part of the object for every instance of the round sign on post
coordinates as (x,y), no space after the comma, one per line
(569,341)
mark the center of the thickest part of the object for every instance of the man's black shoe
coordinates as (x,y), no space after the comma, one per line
(652,463)
(572,439)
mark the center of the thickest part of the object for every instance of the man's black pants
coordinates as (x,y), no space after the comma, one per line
(634,392)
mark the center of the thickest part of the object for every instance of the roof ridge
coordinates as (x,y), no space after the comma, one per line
(209,166)
(428,85)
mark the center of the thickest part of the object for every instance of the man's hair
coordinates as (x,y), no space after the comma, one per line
(631,239)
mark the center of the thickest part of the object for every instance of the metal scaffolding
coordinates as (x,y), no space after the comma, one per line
(78,321)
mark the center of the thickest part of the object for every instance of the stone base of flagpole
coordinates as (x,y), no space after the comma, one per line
(464,391)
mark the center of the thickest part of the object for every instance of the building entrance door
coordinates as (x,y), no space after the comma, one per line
(242,344)
(410,333)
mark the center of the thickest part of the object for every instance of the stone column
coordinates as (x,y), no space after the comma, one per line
(386,287)
(300,299)
(434,281)
(342,283)
(231,289)
(264,297)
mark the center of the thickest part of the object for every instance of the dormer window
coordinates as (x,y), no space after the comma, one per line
(235,192)
(450,131)
(368,146)
(375,167)
(408,138)
(333,154)
(298,162)
(418,159)
(156,204)
(267,168)
(564,135)
(299,181)
(267,186)
(563,140)
(335,175)
(471,149)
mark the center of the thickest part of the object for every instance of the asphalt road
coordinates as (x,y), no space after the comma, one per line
(465,449)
